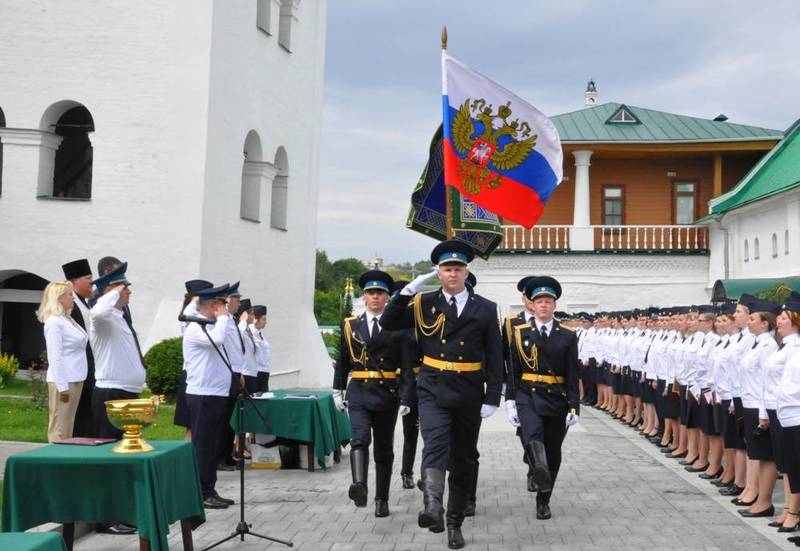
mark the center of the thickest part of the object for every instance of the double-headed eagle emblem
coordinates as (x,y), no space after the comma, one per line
(502,145)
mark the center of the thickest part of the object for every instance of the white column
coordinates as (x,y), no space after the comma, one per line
(28,154)
(581,235)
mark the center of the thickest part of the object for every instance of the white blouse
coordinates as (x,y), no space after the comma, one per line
(751,370)
(66,351)
(773,372)
(787,393)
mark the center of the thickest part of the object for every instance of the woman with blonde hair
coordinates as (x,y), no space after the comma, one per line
(66,358)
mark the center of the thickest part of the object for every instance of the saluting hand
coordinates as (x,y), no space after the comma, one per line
(418,282)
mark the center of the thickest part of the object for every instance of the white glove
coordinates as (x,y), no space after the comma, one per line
(338,401)
(572,419)
(487,410)
(404,410)
(417,283)
(511,413)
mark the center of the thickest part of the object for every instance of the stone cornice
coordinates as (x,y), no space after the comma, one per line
(30,137)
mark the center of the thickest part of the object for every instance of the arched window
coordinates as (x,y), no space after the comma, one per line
(774,245)
(250,207)
(756,252)
(746,251)
(2,125)
(280,191)
(72,167)
(786,242)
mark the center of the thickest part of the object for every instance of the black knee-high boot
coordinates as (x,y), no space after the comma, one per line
(358,468)
(432,517)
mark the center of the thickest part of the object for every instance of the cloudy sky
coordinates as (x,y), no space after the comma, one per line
(383,84)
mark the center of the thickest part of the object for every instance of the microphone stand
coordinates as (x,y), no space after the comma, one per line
(242,527)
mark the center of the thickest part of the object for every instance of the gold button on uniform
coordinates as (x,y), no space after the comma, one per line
(444,341)
(441,355)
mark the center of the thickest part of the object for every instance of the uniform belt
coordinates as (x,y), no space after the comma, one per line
(373,374)
(549,379)
(458,367)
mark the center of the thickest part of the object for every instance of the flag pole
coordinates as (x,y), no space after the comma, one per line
(449,234)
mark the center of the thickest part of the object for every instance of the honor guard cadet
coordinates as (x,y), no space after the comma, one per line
(208,383)
(371,356)
(459,383)
(542,393)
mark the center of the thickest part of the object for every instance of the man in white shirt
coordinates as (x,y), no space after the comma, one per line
(235,351)
(79,273)
(119,370)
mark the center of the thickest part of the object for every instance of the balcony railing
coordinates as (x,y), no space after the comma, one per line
(641,238)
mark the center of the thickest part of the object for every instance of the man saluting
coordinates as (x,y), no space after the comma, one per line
(459,383)
(542,391)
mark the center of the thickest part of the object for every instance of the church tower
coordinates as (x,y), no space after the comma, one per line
(590,97)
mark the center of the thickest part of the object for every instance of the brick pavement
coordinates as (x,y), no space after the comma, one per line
(615,491)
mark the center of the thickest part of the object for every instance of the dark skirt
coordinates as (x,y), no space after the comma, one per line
(776,435)
(262,382)
(182,416)
(636,384)
(672,403)
(728,427)
(250,383)
(791,448)
(738,422)
(616,383)
(647,392)
(709,418)
(758,447)
(693,416)
(627,382)
(684,406)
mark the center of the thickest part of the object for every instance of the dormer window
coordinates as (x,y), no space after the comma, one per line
(623,115)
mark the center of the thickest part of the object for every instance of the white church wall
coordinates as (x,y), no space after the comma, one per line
(594,282)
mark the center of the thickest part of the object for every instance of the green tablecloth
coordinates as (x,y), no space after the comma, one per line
(313,420)
(32,541)
(65,483)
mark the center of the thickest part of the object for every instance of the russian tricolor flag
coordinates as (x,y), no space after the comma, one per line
(499,151)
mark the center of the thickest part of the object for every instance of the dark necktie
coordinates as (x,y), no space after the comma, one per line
(135,336)
(726,344)
(755,343)
(781,345)
(453,307)
(543,332)
(375,329)
(740,337)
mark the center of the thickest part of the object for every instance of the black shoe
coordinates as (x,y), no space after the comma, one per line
(469,508)
(212,502)
(696,469)
(768,512)
(775,524)
(432,517)
(712,476)
(117,529)
(738,502)
(225,467)
(224,500)
(531,483)
(674,455)
(666,449)
(732,490)
(454,538)
(687,462)
(408,481)
(543,511)
(358,469)
(719,483)
(381,507)
(794,528)
(794,539)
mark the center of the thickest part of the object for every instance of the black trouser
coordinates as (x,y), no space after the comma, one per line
(225,446)
(450,441)
(378,425)
(84,416)
(102,427)
(590,386)
(206,417)
(262,382)
(410,436)
(550,430)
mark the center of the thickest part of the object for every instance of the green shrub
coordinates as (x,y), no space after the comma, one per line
(164,365)
(8,368)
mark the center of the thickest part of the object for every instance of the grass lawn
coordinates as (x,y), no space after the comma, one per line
(21,421)
(16,387)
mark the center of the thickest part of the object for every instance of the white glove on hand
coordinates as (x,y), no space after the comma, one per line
(404,410)
(572,419)
(418,282)
(338,401)
(511,413)
(487,410)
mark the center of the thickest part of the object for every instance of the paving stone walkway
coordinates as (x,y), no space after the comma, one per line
(614,492)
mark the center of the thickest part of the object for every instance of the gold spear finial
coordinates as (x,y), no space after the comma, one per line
(444,37)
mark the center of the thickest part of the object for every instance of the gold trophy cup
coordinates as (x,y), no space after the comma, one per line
(132,416)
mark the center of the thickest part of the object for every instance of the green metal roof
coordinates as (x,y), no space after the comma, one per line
(778,170)
(734,288)
(591,125)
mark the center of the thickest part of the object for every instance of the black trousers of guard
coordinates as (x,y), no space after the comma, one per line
(410,437)
(590,382)
(450,440)
(550,430)
(102,426)
(378,425)
(225,440)
(206,420)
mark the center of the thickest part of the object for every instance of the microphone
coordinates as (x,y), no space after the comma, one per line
(194,319)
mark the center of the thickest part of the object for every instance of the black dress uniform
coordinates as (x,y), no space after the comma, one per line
(543,380)
(372,357)
(84,422)
(462,368)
